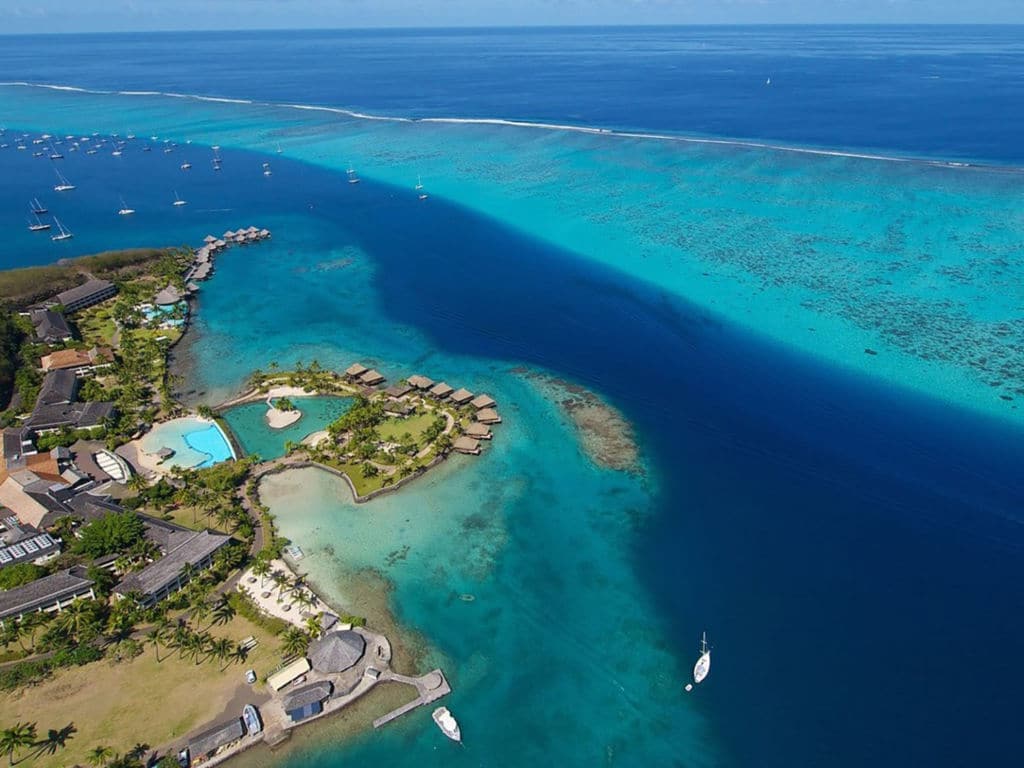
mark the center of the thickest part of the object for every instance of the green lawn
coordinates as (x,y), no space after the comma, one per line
(96,324)
(392,430)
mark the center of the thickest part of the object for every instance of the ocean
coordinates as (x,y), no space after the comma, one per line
(820,353)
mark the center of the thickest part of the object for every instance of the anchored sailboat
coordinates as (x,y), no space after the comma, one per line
(64,185)
(703,665)
(177,200)
(419,188)
(37,207)
(125,210)
(37,225)
(64,233)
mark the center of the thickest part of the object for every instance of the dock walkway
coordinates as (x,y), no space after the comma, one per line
(431,687)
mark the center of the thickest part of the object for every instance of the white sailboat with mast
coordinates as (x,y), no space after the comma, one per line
(64,185)
(64,234)
(37,207)
(125,210)
(37,225)
(703,665)
(178,201)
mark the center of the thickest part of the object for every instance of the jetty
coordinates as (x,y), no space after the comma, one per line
(430,687)
(202,265)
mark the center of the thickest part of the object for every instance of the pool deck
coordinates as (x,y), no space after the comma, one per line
(149,465)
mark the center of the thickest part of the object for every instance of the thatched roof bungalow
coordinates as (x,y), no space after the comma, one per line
(371,378)
(482,401)
(488,416)
(467,445)
(337,651)
(355,370)
(461,396)
(441,390)
(478,431)
(421,382)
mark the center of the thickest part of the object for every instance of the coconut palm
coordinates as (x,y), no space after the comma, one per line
(18,737)
(99,754)
(78,619)
(294,642)
(200,609)
(261,568)
(159,635)
(280,581)
(314,627)
(221,649)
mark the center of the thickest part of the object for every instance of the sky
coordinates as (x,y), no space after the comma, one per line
(28,16)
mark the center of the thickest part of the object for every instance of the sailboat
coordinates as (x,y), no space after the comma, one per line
(419,188)
(125,210)
(266,169)
(37,207)
(703,665)
(37,225)
(177,200)
(352,178)
(54,154)
(186,166)
(64,234)
(65,185)
(279,150)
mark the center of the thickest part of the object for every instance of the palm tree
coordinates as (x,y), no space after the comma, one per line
(99,754)
(239,653)
(56,739)
(223,611)
(261,568)
(20,736)
(222,650)
(77,619)
(314,627)
(159,635)
(294,642)
(280,580)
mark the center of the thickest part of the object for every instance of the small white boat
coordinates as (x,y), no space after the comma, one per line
(37,225)
(266,169)
(251,718)
(448,725)
(64,185)
(91,151)
(419,188)
(37,207)
(279,150)
(116,152)
(352,178)
(125,210)
(703,665)
(63,235)
(186,166)
(178,201)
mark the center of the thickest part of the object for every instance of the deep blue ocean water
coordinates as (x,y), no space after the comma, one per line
(854,549)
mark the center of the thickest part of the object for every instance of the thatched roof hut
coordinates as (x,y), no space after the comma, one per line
(461,396)
(488,416)
(482,401)
(337,651)
(356,369)
(441,390)
(466,444)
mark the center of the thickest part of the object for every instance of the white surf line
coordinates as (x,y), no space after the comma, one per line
(667,137)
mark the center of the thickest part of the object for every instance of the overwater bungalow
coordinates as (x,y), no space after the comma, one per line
(397,391)
(479,431)
(371,378)
(488,416)
(461,396)
(421,382)
(264,234)
(467,445)
(355,370)
(482,401)
(209,239)
(441,390)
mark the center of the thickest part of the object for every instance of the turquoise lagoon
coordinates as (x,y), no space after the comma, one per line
(196,443)
(248,422)
(793,509)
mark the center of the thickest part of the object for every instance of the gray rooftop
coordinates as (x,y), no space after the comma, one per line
(84,291)
(306,695)
(209,741)
(75,415)
(58,387)
(42,593)
(186,549)
(337,651)
(50,325)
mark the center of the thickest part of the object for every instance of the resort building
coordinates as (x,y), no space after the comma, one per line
(482,401)
(24,544)
(397,391)
(168,574)
(307,701)
(461,396)
(371,378)
(92,292)
(337,651)
(76,359)
(50,327)
(488,416)
(56,406)
(355,370)
(283,676)
(48,594)
(421,382)
(467,445)
(207,743)
(478,431)
(169,296)
(441,390)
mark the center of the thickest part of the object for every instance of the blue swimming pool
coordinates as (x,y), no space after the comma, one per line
(196,443)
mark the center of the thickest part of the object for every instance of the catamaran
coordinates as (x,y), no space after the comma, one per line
(266,169)
(37,225)
(37,207)
(419,188)
(64,233)
(703,665)
(177,200)
(352,178)
(65,185)
(125,210)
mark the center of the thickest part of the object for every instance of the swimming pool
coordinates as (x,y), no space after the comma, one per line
(248,422)
(196,443)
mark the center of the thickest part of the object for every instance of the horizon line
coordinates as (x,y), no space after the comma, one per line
(508,27)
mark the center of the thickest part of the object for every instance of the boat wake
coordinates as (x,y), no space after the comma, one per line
(535,125)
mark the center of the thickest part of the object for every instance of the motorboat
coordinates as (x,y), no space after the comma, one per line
(448,724)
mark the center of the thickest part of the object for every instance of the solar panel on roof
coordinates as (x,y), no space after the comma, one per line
(4,556)
(16,550)
(44,540)
(30,546)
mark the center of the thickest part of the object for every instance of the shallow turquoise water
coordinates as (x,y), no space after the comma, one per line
(196,444)
(249,424)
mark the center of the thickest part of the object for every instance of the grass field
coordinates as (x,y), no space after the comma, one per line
(393,429)
(119,705)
